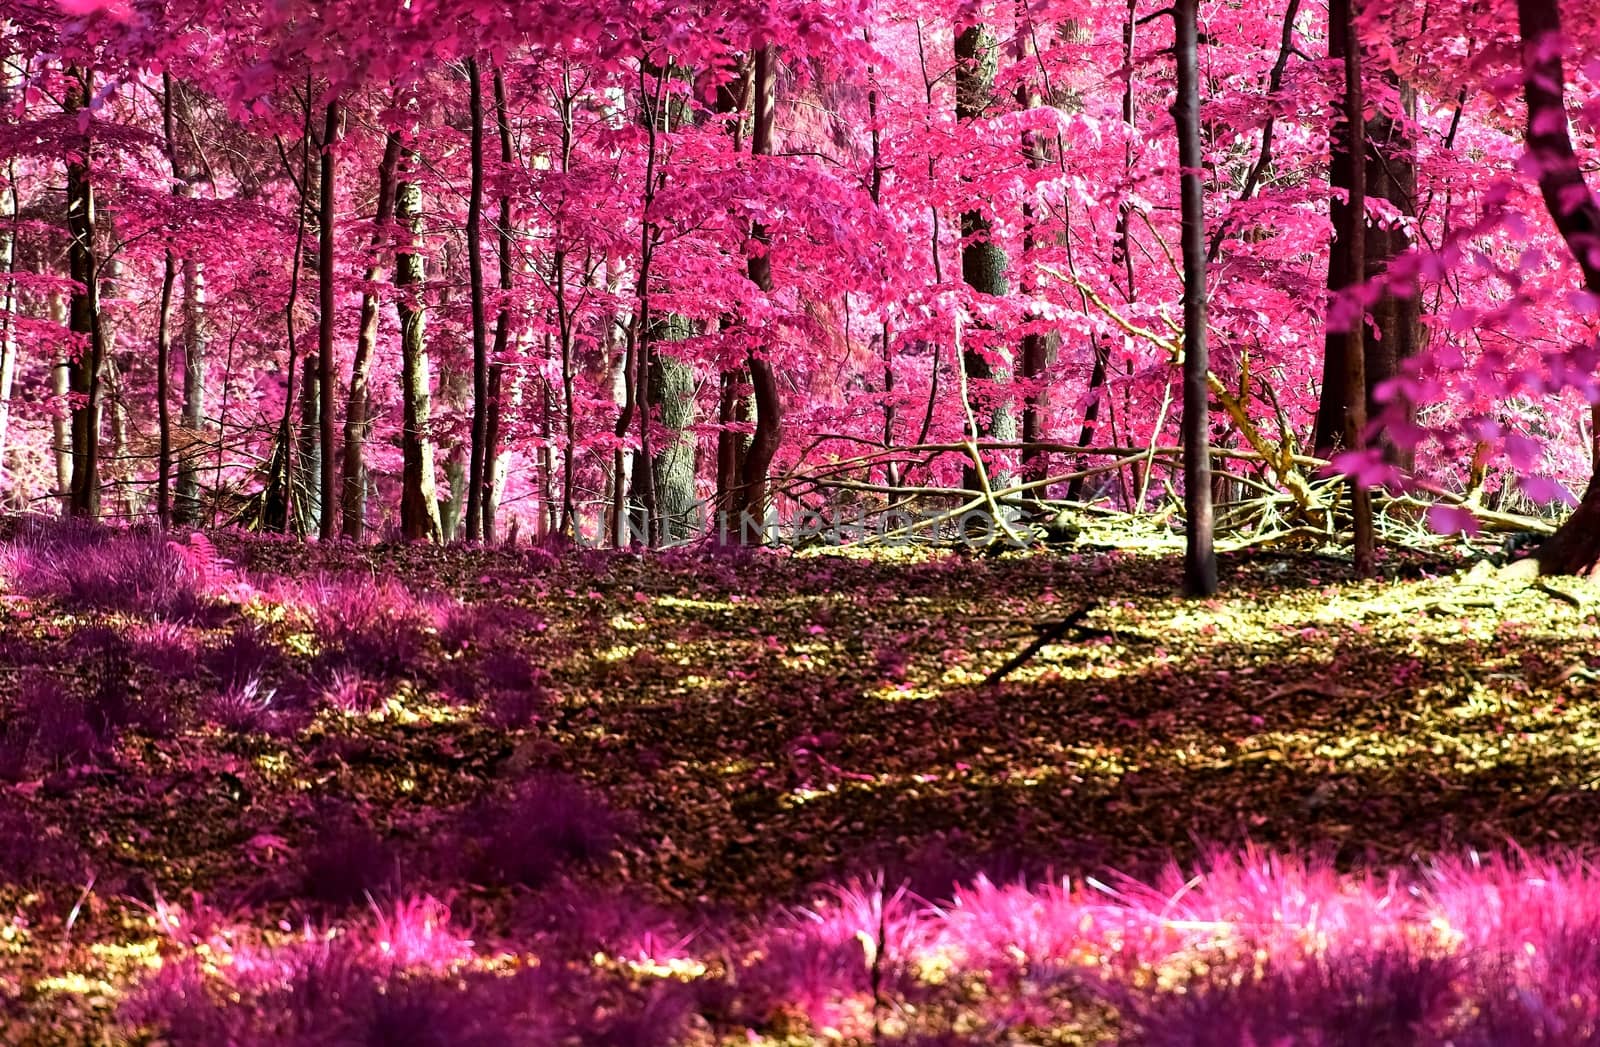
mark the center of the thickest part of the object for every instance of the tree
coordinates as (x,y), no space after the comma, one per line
(1200,558)
(1388,173)
(356,420)
(983,260)
(1342,26)
(752,504)
(492,435)
(84,313)
(1575,547)
(480,336)
(419,502)
(327,232)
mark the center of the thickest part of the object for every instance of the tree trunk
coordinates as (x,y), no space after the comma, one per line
(278,501)
(328,492)
(734,407)
(665,486)
(672,389)
(1575,547)
(1388,173)
(1341,21)
(489,499)
(480,337)
(169,277)
(763,377)
(354,471)
(983,262)
(1396,321)
(308,509)
(84,313)
(1036,345)
(61,421)
(10,80)
(419,504)
(1200,560)
(1121,259)
(184,508)
(196,344)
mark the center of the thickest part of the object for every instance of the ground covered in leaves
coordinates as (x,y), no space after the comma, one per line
(257,792)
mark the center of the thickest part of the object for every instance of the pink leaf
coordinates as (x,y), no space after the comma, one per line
(1544,490)
(1450,519)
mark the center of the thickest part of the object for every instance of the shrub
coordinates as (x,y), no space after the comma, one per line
(374,626)
(547,824)
(32,853)
(96,569)
(166,648)
(349,861)
(244,707)
(47,729)
(246,654)
(1390,997)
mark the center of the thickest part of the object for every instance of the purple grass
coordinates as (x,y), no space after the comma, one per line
(350,691)
(48,728)
(347,862)
(96,569)
(246,707)
(374,626)
(32,852)
(547,824)
(246,654)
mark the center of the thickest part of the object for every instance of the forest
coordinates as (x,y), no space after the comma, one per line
(639,523)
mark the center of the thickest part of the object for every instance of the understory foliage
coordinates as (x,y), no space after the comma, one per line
(612,800)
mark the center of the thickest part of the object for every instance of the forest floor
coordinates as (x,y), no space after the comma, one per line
(272,793)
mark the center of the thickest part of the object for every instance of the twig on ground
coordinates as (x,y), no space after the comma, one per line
(1048,634)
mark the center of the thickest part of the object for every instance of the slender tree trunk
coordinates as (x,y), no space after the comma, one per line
(733,408)
(1397,315)
(61,421)
(309,508)
(419,503)
(169,276)
(734,403)
(8,312)
(1387,172)
(84,315)
(1341,21)
(763,376)
(197,343)
(356,423)
(480,338)
(279,500)
(502,326)
(1035,351)
(569,508)
(9,82)
(885,328)
(1200,560)
(117,471)
(333,129)
(1575,547)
